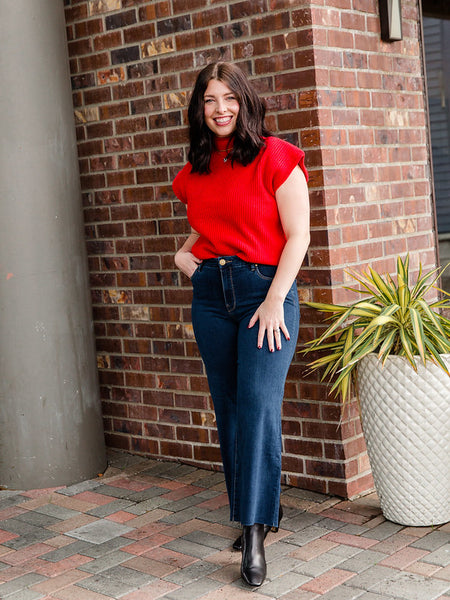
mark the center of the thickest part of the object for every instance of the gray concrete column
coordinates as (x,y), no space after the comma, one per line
(50,418)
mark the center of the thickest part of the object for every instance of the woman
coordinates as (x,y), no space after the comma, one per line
(247,204)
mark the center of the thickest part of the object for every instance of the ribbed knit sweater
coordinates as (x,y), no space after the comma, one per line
(233,208)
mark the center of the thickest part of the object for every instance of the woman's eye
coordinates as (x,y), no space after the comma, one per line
(208,100)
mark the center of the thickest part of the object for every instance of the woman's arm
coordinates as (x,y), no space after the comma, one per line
(184,259)
(293,206)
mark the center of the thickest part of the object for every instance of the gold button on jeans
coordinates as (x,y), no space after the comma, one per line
(222,262)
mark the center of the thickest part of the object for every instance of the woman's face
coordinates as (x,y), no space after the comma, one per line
(221,108)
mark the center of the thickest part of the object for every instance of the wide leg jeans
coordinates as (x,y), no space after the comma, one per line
(246,382)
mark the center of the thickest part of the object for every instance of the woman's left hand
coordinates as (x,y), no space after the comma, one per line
(270,315)
(293,207)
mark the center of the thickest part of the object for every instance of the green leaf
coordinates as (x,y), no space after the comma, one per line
(435,320)
(423,286)
(349,340)
(417,326)
(382,286)
(334,327)
(386,346)
(406,347)
(404,296)
(436,356)
(367,348)
(334,308)
(403,270)
(362,280)
(442,342)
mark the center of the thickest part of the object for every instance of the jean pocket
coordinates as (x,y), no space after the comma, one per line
(195,273)
(265,272)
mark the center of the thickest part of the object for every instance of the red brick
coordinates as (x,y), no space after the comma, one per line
(294,80)
(193,39)
(90,148)
(90,182)
(97,95)
(128,90)
(142,446)
(107,40)
(207,453)
(157,430)
(95,61)
(327,581)
(138,159)
(131,125)
(176,449)
(302,447)
(87,28)
(139,33)
(147,13)
(146,105)
(99,130)
(75,13)
(102,163)
(340,39)
(195,435)
(112,111)
(152,175)
(142,412)
(121,178)
(343,79)
(83,46)
(118,144)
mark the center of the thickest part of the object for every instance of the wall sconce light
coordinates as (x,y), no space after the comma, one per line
(391,20)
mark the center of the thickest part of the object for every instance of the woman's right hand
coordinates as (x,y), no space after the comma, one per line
(187,262)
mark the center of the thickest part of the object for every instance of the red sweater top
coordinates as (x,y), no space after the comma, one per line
(233,208)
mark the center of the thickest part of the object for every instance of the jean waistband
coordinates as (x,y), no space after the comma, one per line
(227,261)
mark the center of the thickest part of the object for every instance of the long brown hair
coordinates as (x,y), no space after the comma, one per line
(250,128)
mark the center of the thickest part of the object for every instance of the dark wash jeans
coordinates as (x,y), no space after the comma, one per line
(246,383)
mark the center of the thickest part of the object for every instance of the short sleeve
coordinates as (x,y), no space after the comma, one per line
(179,184)
(281,159)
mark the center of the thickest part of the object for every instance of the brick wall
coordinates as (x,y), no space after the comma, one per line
(353,103)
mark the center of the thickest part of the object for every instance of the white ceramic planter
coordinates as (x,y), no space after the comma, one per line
(406,421)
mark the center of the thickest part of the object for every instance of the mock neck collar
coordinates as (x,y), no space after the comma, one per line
(223,143)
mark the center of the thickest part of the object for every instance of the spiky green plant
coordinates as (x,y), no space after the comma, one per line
(395,318)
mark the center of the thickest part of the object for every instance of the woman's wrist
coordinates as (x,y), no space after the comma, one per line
(275,295)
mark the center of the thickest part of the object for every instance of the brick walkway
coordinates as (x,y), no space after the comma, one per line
(149,530)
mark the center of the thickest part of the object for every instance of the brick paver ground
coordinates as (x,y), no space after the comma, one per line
(149,530)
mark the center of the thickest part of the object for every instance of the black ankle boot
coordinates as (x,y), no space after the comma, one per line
(238,542)
(253,566)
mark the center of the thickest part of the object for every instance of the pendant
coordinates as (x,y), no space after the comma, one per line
(225,159)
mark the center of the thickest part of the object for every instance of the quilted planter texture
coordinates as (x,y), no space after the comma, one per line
(406,421)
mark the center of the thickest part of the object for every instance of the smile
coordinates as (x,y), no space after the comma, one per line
(223,120)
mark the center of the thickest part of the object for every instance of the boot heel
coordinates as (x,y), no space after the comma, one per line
(280,516)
